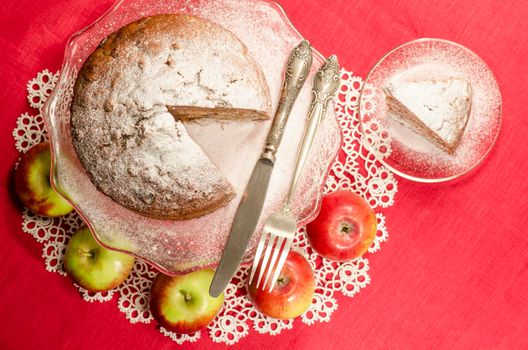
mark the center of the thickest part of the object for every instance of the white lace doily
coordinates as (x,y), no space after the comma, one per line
(356,170)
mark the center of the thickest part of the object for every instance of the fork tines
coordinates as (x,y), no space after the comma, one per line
(271,244)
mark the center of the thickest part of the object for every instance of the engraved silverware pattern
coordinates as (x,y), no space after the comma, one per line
(250,207)
(279,229)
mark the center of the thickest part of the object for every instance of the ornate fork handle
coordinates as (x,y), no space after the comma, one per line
(297,70)
(325,83)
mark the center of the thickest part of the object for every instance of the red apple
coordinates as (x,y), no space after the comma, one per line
(293,291)
(345,227)
(32,183)
(182,304)
(94,267)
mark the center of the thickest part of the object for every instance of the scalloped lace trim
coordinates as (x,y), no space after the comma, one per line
(356,170)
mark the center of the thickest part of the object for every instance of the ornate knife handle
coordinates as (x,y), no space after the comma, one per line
(297,70)
(325,84)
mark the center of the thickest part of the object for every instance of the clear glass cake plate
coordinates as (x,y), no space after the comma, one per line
(176,247)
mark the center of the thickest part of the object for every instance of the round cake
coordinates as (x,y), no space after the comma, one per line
(131,97)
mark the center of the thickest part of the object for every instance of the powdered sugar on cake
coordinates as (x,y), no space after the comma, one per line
(439,102)
(186,169)
(131,146)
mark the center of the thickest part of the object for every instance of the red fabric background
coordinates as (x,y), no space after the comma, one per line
(454,272)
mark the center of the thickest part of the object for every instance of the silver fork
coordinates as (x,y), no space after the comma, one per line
(279,230)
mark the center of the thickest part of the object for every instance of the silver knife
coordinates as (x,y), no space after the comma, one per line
(250,207)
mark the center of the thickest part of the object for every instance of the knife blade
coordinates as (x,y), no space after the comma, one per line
(246,219)
(250,207)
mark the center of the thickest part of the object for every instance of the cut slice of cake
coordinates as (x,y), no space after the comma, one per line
(437,109)
(190,113)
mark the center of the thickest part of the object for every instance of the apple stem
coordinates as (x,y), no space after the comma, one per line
(88,254)
(186,296)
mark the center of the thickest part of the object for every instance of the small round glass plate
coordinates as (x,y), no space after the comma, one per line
(405,152)
(176,247)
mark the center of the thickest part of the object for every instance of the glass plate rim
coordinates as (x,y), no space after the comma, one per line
(416,178)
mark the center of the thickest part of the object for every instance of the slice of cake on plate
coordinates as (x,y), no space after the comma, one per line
(437,108)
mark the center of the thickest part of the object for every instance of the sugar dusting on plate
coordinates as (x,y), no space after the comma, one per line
(414,156)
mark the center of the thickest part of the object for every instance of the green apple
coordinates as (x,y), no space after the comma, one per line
(94,267)
(32,183)
(182,304)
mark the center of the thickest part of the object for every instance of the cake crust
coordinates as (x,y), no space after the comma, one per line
(133,149)
(436,108)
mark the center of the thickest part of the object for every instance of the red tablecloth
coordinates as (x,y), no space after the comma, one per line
(454,273)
